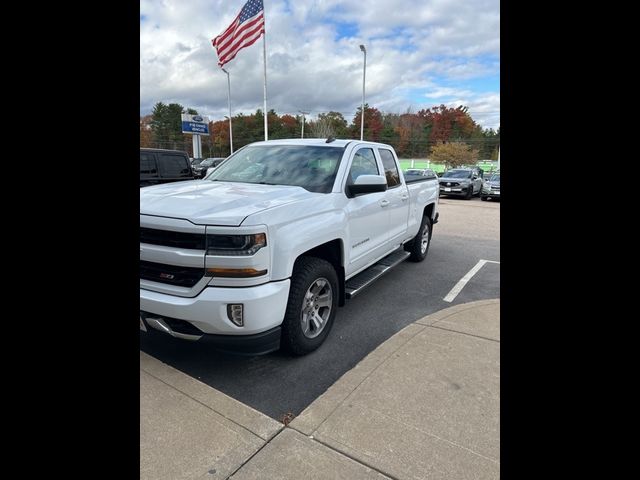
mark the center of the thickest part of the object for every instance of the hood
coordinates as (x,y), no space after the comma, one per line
(492,183)
(215,203)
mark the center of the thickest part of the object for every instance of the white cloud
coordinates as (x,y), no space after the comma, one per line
(433,47)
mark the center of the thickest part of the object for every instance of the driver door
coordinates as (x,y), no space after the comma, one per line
(368,220)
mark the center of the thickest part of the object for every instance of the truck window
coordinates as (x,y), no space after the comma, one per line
(173,165)
(311,167)
(147,164)
(364,163)
(390,168)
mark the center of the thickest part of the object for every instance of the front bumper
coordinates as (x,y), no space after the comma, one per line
(491,194)
(462,191)
(256,344)
(206,314)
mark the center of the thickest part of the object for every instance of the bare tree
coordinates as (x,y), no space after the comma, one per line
(322,128)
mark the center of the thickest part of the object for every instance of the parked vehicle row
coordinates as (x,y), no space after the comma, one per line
(164,166)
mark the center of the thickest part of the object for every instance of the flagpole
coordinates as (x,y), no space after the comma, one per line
(264,57)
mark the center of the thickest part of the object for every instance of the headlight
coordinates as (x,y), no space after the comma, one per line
(232,245)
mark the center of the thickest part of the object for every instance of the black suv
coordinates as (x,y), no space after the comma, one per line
(200,170)
(163,166)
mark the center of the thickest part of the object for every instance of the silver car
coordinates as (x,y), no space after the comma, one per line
(491,187)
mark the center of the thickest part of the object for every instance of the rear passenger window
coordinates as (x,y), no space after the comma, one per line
(364,163)
(390,168)
(147,164)
(173,165)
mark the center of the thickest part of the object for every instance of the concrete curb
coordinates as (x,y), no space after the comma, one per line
(257,423)
(319,411)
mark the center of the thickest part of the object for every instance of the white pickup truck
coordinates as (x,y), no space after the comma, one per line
(260,253)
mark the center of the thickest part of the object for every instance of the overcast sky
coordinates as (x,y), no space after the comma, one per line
(419,54)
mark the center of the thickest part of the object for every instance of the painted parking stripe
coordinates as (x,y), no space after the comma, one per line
(463,281)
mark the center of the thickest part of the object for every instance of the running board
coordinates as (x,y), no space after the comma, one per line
(361,281)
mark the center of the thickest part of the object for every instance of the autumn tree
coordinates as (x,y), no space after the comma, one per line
(372,123)
(454,154)
(447,123)
(285,126)
(219,138)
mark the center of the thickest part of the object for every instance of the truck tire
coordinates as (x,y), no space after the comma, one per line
(483,198)
(469,193)
(312,305)
(419,246)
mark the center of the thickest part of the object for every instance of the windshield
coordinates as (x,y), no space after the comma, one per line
(495,178)
(310,167)
(457,174)
(196,161)
(207,163)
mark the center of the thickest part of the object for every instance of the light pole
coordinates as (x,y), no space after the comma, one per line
(364,73)
(229,102)
(303,114)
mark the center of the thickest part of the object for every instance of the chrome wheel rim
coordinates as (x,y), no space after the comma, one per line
(425,240)
(316,308)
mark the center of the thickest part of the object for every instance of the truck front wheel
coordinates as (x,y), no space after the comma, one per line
(312,305)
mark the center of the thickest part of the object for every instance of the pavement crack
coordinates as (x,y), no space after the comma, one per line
(351,457)
(254,454)
(464,333)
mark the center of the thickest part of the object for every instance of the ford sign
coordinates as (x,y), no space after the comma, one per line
(195,124)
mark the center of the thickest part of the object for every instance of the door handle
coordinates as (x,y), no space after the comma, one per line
(404,197)
(384,203)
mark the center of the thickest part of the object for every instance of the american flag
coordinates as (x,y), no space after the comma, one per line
(243,32)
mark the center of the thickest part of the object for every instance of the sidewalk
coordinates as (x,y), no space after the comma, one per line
(424,405)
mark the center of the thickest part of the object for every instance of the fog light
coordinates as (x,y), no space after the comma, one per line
(235,313)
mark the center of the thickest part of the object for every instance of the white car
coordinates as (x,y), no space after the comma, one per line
(261,252)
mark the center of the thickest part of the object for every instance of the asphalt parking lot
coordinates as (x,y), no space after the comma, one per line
(276,384)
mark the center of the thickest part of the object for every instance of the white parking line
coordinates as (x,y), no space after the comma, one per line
(463,281)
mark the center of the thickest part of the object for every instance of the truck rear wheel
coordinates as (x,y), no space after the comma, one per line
(312,305)
(419,246)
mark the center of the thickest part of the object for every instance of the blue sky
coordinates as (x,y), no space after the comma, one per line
(419,54)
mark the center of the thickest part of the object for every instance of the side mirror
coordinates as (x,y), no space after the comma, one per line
(367,184)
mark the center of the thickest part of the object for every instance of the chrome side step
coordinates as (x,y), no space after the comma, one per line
(361,281)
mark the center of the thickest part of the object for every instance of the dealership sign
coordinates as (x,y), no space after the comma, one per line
(195,124)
